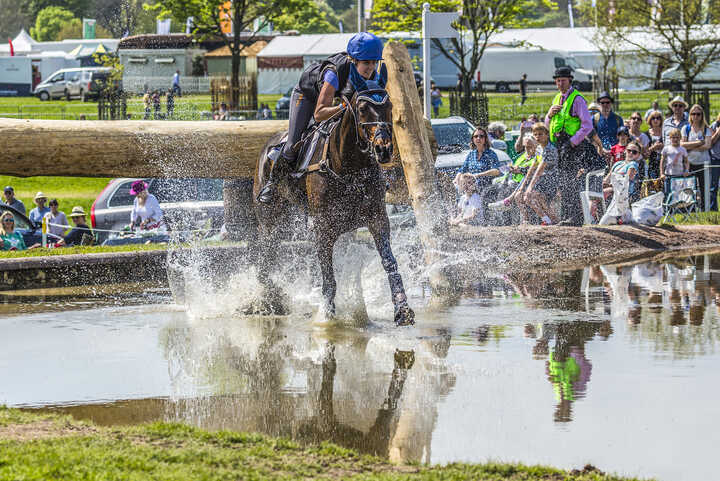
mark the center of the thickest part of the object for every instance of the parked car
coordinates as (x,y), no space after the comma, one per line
(187,204)
(87,84)
(32,234)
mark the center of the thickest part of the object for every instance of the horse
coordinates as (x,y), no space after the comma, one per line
(342,190)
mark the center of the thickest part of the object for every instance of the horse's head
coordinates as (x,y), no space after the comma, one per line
(373,115)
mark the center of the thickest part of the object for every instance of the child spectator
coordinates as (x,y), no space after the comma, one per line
(170,103)
(147,102)
(673,159)
(617,151)
(57,220)
(629,166)
(37,214)
(435,99)
(469,207)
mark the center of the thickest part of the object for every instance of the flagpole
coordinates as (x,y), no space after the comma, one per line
(426,61)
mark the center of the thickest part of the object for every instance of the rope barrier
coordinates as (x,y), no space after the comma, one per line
(134,231)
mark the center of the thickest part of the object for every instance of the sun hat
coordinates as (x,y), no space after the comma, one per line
(40,195)
(593,106)
(77,211)
(138,186)
(677,100)
(9,189)
(563,72)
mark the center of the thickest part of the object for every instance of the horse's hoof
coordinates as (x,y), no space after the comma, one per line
(272,306)
(404,316)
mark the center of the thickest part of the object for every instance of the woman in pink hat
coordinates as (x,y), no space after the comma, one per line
(146,212)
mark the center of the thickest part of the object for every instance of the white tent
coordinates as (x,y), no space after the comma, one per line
(23,44)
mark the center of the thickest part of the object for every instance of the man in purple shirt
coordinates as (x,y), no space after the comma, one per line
(577,156)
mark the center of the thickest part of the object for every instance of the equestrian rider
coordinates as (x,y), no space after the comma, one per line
(313,96)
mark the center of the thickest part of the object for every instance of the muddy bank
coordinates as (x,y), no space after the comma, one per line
(557,248)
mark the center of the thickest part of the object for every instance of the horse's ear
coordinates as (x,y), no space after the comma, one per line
(382,77)
(357,80)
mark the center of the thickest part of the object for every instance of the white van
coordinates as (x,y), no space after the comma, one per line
(502,67)
(56,85)
(674,79)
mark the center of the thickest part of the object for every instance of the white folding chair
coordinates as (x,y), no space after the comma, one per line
(682,199)
(587,196)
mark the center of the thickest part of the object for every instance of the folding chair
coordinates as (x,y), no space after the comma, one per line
(587,196)
(682,199)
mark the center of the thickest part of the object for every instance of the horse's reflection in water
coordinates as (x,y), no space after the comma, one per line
(369,392)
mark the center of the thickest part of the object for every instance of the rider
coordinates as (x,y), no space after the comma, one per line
(319,84)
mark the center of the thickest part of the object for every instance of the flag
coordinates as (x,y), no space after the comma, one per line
(12,50)
(88,28)
(226,25)
(163,26)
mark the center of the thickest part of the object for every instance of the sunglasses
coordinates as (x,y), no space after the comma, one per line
(696,113)
(654,118)
(632,151)
(677,105)
(479,136)
(606,102)
(9,221)
(635,118)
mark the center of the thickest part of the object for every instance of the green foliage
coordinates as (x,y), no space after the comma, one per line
(307,16)
(79,8)
(13,18)
(50,22)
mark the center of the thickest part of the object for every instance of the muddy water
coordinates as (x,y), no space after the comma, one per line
(615,366)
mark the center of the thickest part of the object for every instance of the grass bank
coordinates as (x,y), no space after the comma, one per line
(42,446)
(62,251)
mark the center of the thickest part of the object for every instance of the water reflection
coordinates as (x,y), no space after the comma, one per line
(530,366)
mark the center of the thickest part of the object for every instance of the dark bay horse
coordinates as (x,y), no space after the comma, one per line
(340,193)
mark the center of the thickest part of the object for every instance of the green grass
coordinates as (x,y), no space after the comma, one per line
(39,252)
(34,447)
(69,191)
(705,218)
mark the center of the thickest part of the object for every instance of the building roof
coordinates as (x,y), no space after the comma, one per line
(306,45)
(250,51)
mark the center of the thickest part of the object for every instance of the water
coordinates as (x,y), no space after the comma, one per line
(614,366)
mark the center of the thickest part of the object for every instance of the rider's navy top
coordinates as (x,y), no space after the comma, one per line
(474,165)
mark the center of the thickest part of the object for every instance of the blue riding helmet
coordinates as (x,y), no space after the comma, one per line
(365,46)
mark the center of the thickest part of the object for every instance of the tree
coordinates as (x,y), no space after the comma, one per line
(49,22)
(480,19)
(212,18)
(119,17)
(313,18)
(678,30)
(13,18)
(79,8)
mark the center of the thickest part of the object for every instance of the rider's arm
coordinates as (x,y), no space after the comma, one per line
(324,108)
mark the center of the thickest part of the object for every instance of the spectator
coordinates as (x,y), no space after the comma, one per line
(469,206)
(156,104)
(543,185)
(617,152)
(634,123)
(628,166)
(480,159)
(81,229)
(176,84)
(697,140)
(653,141)
(39,212)
(222,113)
(569,124)
(146,212)
(57,222)
(147,103)
(510,180)
(677,120)
(606,122)
(9,239)
(673,159)
(497,135)
(12,201)
(714,163)
(521,169)
(525,126)
(523,88)
(266,112)
(435,99)
(170,103)
(654,108)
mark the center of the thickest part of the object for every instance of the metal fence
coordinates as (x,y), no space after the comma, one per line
(191,85)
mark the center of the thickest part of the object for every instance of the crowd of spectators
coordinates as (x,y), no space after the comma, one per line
(555,156)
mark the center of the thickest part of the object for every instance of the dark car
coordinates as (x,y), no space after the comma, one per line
(187,204)
(282,106)
(32,234)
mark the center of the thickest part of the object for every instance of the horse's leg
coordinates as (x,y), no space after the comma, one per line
(271,300)
(325,239)
(380,230)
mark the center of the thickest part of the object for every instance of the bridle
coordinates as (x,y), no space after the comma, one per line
(378,97)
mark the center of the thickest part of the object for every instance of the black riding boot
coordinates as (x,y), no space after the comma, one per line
(267,193)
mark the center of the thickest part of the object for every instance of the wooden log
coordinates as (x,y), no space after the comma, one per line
(133,148)
(413,142)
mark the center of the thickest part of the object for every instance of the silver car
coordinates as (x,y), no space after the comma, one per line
(187,204)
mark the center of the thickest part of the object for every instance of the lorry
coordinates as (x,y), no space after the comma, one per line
(673,78)
(15,76)
(501,68)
